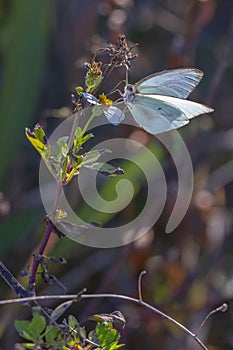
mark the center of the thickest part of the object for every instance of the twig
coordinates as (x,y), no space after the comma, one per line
(140,284)
(222,308)
(13,283)
(115,296)
(36,262)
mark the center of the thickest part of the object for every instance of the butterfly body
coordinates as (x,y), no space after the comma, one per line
(158,102)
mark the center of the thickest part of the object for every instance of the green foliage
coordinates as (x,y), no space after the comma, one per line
(106,336)
(32,330)
(66,161)
(66,336)
(39,141)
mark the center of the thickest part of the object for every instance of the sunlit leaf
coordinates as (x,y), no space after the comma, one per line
(105,169)
(62,148)
(39,141)
(93,156)
(66,228)
(60,310)
(72,322)
(106,336)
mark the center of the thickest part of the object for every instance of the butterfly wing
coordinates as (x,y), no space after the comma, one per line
(114,114)
(176,82)
(158,113)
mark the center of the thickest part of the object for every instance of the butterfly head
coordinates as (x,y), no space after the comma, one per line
(129,93)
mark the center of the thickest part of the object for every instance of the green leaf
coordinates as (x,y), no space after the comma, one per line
(72,322)
(51,334)
(80,139)
(79,90)
(93,156)
(60,309)
(29,346)
(39,141)
(32,330)
(37,325)
(22,329)
(62,147)
(105,169)
(106,336)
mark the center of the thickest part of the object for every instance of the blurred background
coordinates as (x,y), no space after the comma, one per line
(43,45)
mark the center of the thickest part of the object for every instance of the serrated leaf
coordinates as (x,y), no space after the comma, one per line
(105,169)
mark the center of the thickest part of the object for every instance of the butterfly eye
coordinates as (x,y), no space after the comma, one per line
(129,89)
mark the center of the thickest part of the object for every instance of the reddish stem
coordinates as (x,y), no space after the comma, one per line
(36,262)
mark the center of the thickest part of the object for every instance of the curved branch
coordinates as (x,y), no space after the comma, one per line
(115,296)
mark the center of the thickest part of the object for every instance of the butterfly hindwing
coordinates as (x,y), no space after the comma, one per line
(157,118)
(158,113)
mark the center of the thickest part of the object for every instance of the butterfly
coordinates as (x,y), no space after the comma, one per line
(158,102)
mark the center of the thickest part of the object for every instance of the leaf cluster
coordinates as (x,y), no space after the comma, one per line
(68,335)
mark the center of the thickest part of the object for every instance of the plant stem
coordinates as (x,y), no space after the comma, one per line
(107,73)
(12,282)
(36,262)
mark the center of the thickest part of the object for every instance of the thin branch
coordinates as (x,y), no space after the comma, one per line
(115,296)
(140,284)
(222,308)
(36,262)
(12,282)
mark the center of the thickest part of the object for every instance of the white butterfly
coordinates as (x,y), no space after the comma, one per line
(158,102)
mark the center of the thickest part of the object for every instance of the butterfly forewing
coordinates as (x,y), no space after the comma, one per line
(177,82)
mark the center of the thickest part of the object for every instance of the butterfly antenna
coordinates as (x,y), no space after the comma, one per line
(115,89)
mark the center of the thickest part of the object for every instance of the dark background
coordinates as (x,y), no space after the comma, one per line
(43,45)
